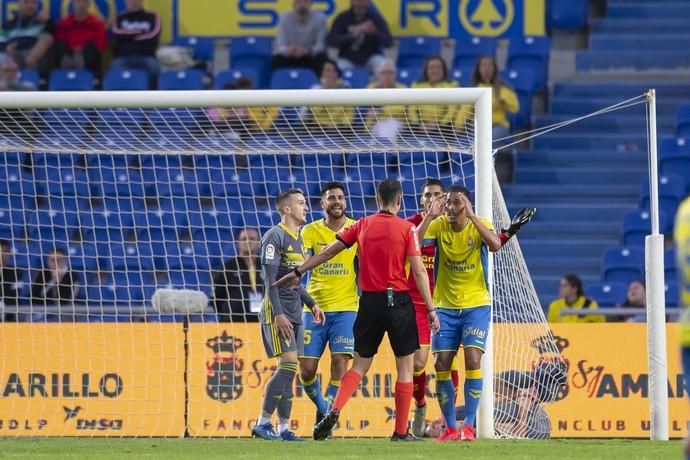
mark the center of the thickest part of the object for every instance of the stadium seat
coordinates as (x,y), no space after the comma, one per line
(523,84)
(670,273)
(672,189)
(230,75)
(467,51)
(252,53)
(623,264)
(125,80)
(30,76)
(463,77)
(683,120)
(70,80)
(674,158)
(189,79)
(637,225)
(12,217)
(409,75)
(413,51)
(202,47)
(570,15)
(608,294)
(357,77)
(293,78)
(672,294)
(531,55)
(84,257)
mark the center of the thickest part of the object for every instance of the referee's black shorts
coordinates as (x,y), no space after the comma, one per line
(375,318)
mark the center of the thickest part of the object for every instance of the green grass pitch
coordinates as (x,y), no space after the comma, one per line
(170,449)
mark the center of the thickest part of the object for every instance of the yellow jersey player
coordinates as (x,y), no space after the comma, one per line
(682,237)
(462,299)
(333,285)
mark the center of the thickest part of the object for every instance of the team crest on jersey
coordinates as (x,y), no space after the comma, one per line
(224,370)
(270,252)
(470,242)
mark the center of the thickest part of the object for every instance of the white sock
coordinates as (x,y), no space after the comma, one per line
(283,426)
(263,420)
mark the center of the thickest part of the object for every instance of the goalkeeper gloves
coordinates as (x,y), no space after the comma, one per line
(522,217)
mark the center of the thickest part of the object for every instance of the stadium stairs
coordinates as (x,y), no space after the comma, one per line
(585,177)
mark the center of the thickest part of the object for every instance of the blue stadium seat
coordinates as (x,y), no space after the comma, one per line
(409,75)
(672,189)
(570,15)
(189,79)
(12,217)
(15,181)
(117,182)
(125,80)
(683,120)
(30,76)
(230,75)
(467,51)
(531,55)
(293,78)
(413,51)
(357,77)
(130,255)
(637,225)
(463,77)
(84,257)
(252,53)
(623,265)
(608,294)
(70,80)
(202,47)
(670,273)
(672,294)
(674,158)
(523,84)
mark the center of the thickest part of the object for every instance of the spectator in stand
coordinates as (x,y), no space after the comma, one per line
(360,34)
(28,37)
(241,121)
(433,118)
(331,119)
(636,298)
(572,296)
(55,284)
(238,292)
(386,121)
(81,39)
(10,281)
(505,100)
(135,40)
(301,40)
(10,77)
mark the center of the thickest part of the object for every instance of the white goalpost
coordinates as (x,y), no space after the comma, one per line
(146,191)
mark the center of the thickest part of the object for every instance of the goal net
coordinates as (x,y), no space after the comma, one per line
(107,197)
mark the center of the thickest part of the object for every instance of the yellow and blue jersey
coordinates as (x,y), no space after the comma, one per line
(682,239)
(461,265)
(333,284)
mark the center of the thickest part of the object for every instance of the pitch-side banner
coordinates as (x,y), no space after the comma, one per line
(608,389)
(91,380)
(438,18)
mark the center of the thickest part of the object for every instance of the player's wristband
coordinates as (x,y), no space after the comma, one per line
(297,272)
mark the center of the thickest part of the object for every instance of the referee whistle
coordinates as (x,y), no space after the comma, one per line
(389,292)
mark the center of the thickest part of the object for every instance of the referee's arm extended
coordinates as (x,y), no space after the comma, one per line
(327,253)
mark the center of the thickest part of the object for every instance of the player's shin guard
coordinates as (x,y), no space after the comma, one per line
(313,390)
(348,385)
(331,391)
(403,399)
(419,392)
(275,387)
(445,395)
(473,391)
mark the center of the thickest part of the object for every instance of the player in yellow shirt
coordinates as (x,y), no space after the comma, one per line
(334,284)
(682,239)
(462,299)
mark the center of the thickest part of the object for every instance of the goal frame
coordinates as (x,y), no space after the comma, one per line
(479,98)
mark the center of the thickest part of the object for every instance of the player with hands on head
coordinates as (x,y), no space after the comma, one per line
(384,244)
(281,316)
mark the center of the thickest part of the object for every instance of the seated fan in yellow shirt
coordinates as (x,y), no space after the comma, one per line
(572,296)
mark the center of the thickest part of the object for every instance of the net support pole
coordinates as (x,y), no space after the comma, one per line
(656,303)
(483,169)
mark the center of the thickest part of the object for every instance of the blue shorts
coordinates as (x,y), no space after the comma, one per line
(685,355)
(469,327)
(336,332)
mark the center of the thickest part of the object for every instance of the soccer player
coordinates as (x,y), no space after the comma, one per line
(281,316)
(433,189)
(333,285)
(384,243)
(682,237)
(462,300)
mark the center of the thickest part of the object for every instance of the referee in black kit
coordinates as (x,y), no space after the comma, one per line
(385,243)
